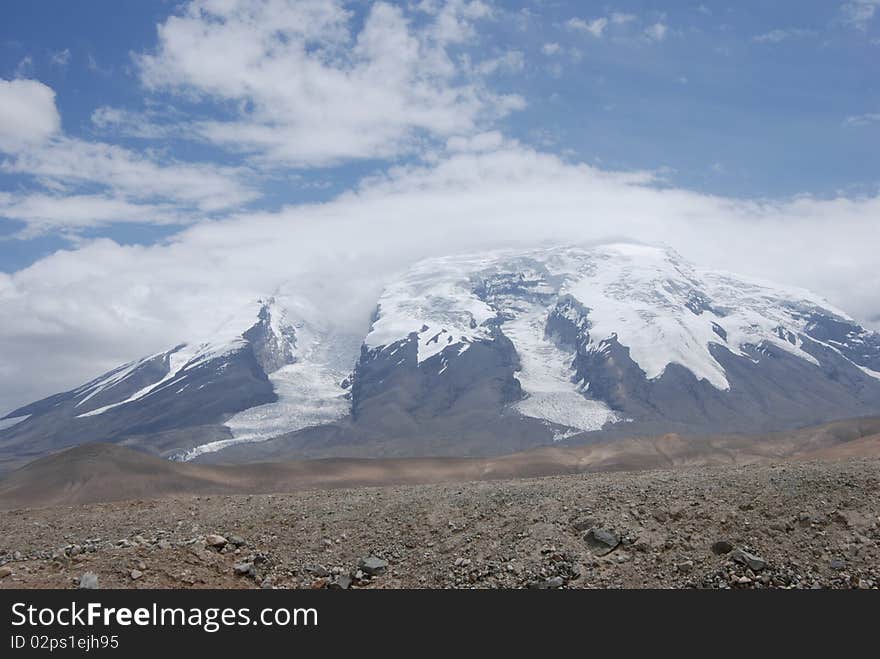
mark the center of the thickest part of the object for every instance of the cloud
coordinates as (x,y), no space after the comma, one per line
(303,88)
(60,58)
(513,61)
(862,119)
(619,18)
(78,312)
(35,146)
(595,27)
(778,36)
(859,13)
(551,49)
(42,213)
(25,67)
(656,32)
(65,161)
(28,115)
(119,121)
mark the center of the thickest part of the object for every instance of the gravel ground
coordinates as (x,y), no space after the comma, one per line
(793,525)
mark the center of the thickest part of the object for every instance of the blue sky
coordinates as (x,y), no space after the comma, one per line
(164,163)
(749,100)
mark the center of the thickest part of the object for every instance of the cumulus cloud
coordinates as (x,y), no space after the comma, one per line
(28,115)
(308,89)
(76,313)
(35,146)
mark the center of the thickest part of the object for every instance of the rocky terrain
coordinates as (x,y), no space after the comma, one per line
(800,524)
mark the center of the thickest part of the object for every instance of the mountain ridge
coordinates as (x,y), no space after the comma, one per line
(484,354)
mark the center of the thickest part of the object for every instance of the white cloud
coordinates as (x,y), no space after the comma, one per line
(28,114)
(551,49)
(309,91)
(132,124)
(25,67)
(595,27)
(42,212)
(657,31)
(60,58)
(78,312)
(778,36)
(859,13)
(513,61)
(619,18)
(31,136)
(862,119)
(66,161)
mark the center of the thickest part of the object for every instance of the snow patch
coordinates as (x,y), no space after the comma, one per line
(546,377)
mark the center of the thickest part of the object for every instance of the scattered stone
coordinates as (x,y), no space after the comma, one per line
(685,567)
(5,572)
(216,541)
(88,581)
(236,541)
(722,547)
(373,565)
(163,544)
(754,563)
(342,582)
(584,524)
(837,564)
(552,582)
(245,570)
(135,574)
(601,541)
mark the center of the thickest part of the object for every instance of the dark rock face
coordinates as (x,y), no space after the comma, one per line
(461,397)
(853,342)
(178,412)
(761,396)
(271,351)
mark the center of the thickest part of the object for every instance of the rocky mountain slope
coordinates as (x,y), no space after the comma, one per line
(479,355)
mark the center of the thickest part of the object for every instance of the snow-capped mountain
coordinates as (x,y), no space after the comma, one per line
(483,354)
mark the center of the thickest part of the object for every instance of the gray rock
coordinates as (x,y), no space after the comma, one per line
(245,570)
(373,565)
(722,547)
(546,584)
(88,581)
(135,574)
(342,582)
(236,541)
(837,564)
(601,541)
(755,563)
(685,567)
